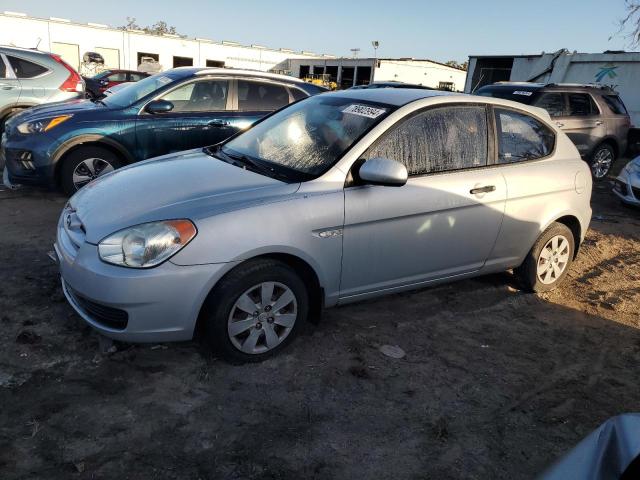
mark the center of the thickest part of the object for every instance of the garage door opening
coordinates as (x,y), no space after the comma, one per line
(182,62)
(215,63)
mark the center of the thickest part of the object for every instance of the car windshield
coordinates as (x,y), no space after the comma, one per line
(308,137)
(136,91)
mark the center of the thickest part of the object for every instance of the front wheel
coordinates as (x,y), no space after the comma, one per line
(549,259)
(601,161)
(255,311)
(85,164)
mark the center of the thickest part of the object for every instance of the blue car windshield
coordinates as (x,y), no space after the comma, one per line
(309,136)
(134,92)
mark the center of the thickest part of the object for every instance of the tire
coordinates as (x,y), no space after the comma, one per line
(6,119)
(251,332)
(97,161)
(550,277)
(601,161)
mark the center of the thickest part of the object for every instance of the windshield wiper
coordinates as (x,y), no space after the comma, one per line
(244,161)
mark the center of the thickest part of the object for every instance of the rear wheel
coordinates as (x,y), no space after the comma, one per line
(601,161)
(85,164)
(549,259)
(255,311)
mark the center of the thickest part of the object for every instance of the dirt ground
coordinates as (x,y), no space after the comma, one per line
(495,383)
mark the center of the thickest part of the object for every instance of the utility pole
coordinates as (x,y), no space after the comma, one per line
(355,52)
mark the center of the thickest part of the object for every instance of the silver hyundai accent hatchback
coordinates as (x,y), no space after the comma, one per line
(337,198)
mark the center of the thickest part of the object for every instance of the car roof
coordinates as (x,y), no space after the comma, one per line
(240,72)
(30,51)
(392,96)
(531,86)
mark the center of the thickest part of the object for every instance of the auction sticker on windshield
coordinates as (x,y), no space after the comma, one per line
(523,92)
(364,111)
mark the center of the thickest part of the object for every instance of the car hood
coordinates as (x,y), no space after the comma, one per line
(190,185)
(70,107)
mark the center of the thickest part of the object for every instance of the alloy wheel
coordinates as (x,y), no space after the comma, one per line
(601,163)
(90,169)
(553,259)
(262,317)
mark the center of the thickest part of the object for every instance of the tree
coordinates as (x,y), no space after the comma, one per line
(158,28)
(631,22)
(454,64)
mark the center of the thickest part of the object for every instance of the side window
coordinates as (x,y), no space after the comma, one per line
(260,96)
(581,105)
(615,104)
(117,77)
(297,94)
(136,77)
(24,68)
(201,96)
(521,137)
(3,69)
(552,103)
(437,140)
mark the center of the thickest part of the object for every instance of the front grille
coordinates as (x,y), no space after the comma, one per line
(109,317)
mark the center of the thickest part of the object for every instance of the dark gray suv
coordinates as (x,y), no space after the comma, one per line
(30,77)
(593,116)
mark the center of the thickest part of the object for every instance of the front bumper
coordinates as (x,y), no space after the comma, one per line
(159,304)
(627,188)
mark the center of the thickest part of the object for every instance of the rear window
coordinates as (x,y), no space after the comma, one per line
(522,137)
(24,68)
(261,96)
(615,104)
(581,105)
(3,69)
(515,93)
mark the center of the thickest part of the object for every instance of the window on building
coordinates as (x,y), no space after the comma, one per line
(521,137)
(215,63)
(24,68)
(552,103)
(437,140)
(146,56)
(200,96)
(261,96)
(581,105)
(448,86)
(182,62)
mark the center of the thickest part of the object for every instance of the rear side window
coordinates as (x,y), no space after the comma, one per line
(581,105)
(117,77)
(24,68)
(615,104)
(552,103)
(3,69)
(521,137)
(437,140)
(261,96)
(297,94)
(135,77)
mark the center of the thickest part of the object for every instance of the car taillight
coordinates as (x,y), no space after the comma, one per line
(74,82)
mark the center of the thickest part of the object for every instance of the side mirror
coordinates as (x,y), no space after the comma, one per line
(383,171)
(159,106)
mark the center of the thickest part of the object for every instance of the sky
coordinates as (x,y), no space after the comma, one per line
(439,30)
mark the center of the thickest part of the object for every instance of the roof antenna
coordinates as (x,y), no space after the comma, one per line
(38,44)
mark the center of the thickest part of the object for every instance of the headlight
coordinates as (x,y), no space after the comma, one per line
(146,245)
(42,125)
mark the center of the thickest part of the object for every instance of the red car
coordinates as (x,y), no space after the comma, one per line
(95,86)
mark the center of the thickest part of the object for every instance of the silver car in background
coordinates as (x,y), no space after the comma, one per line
(337,198)
(627,185)
(30,77)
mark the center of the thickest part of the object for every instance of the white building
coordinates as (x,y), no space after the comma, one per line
(124,49)
(619,70)
(347,72)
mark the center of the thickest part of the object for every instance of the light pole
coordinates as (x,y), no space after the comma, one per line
(375,45)
(355,52)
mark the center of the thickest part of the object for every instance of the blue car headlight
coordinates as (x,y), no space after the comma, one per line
(42,125)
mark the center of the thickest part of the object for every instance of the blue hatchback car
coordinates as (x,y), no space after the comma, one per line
(69,144)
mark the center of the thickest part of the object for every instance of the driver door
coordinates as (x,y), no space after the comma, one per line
(443,222)
(201,116)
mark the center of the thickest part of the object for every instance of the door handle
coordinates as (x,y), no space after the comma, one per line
(560,124)
(218,123)
(4,86)
(485,189)
(598,123)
